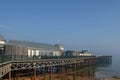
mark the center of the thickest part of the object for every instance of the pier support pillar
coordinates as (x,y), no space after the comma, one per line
(62,69)
(9,75)
(2,78)
(34,73)
(74,75)
(62,72)
(57,69)
(50,72)
(66,68)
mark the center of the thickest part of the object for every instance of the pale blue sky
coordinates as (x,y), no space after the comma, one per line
(77,24)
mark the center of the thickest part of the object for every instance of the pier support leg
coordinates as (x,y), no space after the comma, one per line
(1,79)
(57,69)
(62,72)
(34,73)
(50,72)
(66,68)
(74,76)
(9,75)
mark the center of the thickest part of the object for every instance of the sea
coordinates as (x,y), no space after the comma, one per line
(111,70)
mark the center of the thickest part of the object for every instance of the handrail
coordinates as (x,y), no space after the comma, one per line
(8,58)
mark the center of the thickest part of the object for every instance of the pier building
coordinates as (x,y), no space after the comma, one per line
(77,53)
(14,67)
(16,47)
(2,43)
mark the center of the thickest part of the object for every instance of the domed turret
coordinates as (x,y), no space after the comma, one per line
(60,47)
(2,40)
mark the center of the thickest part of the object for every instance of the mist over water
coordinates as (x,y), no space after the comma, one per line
(110,70)
(116,59)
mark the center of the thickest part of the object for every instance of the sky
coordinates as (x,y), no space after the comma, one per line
(76,24)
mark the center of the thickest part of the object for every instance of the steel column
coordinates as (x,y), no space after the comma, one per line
(34,73)
(74,76)
(50,72)
(62,70)
(9,75)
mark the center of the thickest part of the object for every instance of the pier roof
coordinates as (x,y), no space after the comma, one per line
(2,38)
(33,45)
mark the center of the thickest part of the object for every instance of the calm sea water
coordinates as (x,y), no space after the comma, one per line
(109,70)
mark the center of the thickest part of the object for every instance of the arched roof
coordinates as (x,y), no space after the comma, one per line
(60,46)
(2,38)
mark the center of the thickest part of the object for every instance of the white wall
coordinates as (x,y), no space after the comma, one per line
(2,42)
(38,52)
(29,52)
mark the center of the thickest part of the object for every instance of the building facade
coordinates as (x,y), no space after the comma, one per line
(77,53)
(2,43)
(16,47)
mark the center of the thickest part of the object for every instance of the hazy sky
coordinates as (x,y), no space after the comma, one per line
(77,24)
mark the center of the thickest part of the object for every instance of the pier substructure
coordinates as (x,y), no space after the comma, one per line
(75,68)
(9,75)
(34,73)
(51,70)
(63,72)
(46,65)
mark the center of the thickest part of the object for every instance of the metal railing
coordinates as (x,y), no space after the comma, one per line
(7,58)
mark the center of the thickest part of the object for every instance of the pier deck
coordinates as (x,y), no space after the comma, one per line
(13,63)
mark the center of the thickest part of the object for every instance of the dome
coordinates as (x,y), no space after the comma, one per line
(60,47)
(2,38)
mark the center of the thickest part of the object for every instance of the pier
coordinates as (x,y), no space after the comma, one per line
(18,66)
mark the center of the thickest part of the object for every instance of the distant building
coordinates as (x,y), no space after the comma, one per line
(70,53)
(16,47)
(77,53)
(2,43)
(85,53)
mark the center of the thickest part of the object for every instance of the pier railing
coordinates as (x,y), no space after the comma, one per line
(8,58)
(5,58)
